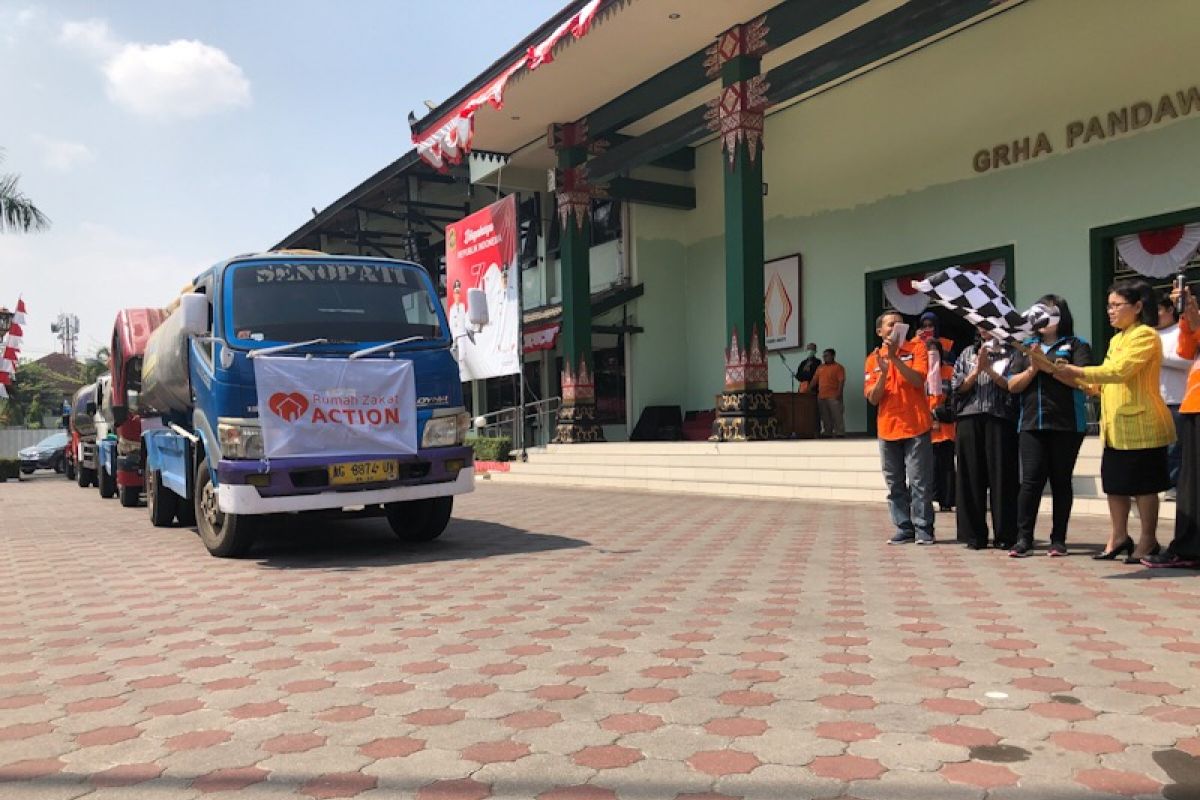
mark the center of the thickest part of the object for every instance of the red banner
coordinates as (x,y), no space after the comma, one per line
(481,253)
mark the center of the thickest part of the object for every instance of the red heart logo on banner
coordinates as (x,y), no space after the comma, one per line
(290,407)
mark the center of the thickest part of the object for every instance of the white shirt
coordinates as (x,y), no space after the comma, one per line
(1172,380)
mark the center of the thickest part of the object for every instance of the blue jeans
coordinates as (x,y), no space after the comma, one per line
(908,473)
(1175,451)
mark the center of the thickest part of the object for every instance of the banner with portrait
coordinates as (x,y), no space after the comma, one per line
(481,253)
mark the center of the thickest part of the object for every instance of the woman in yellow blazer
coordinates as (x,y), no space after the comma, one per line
(1135,423)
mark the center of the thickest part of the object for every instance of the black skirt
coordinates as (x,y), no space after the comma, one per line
(1133,473)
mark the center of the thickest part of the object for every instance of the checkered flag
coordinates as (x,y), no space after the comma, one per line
(977,299)
(1041,316)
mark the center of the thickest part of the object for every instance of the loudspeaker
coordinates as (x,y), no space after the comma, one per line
(659,424)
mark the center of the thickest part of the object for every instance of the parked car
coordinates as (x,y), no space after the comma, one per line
(46,454)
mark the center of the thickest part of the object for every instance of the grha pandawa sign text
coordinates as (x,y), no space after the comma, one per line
(1096,128)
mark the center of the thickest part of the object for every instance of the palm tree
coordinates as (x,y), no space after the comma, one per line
(95,366)
(17,212)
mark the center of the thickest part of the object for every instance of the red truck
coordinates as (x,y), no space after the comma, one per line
(131,331)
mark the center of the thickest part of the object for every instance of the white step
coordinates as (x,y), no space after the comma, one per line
(845,470)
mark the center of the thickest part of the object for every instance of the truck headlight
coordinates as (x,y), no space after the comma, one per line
(447,428)
(240,438)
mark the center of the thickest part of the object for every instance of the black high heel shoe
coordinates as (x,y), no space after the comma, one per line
(1111,555)
(1153,552)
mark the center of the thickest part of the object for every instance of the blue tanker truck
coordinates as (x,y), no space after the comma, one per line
(299,381)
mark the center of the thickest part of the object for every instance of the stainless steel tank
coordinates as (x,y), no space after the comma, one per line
(165,381)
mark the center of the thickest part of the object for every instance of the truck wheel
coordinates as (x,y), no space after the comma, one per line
(85,477)
(420,520)
(162,503)
(59,466)
(70,470)
(107,483)
(185,510)
(225,535)
(129,496)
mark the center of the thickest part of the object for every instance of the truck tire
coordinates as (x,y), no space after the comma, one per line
(60,465)
(106,482)
(420,520)
(161,502)
(129,496)
(185,511)
(70,470)
(224,535)
(85,477)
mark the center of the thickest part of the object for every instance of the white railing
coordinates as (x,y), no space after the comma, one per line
(540,417)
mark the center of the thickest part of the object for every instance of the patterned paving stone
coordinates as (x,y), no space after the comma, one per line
(126,775)
(339,784)
(723,762)
(985,776)
(232,779)
(846,768)
(463,789)
(1116,782)
(606,757)
(722,646)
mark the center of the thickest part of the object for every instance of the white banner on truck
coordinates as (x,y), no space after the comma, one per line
(336,407)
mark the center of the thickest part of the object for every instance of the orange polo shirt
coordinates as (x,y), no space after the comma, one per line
(903,410)
(1189,343)
(830,380)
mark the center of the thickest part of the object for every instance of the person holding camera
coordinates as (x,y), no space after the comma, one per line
(986,445)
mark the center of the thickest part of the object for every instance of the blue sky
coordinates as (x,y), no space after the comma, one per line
(161,137)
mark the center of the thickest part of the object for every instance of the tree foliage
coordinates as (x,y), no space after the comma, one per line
(17,212)
(96,365)
(34,390)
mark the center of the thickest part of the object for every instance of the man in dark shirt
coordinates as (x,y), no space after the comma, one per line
(808,368)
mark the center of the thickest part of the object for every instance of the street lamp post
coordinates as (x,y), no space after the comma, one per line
(6,318)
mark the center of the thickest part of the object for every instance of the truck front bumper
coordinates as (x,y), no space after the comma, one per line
(302,484)
(234,499)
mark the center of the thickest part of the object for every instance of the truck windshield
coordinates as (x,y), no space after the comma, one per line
(338,301)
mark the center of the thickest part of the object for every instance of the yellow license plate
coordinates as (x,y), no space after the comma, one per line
(363,472)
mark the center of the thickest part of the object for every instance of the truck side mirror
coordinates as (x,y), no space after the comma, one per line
(194,310)
(90,408)
(477,308)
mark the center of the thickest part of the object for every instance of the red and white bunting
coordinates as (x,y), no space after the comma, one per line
(10,350)
(908,300)
(451,138)
(1160,253)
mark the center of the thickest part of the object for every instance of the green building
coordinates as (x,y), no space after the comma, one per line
(668,149)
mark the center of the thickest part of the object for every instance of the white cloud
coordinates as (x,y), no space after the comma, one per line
(15,22)
(62,156)
(91,37)
(182,79)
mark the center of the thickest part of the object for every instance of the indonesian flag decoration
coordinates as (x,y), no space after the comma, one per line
(448,141)
(1160,253)
(11,349)
(906,298)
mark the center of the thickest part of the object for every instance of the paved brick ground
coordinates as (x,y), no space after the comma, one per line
(571,644)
